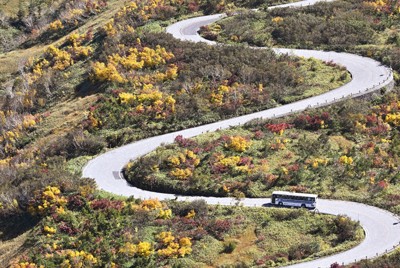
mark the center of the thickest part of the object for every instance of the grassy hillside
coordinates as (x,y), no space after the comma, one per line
(370,28)
(83,228)
(348,151)
(80,77)
(99,88)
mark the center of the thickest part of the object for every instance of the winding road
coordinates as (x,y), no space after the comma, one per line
(382,231)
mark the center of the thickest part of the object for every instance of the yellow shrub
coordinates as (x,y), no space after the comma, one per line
(284,170)
(223,89)
(393,118)
(317,161)
(26,265)
(153,57)
(170,101)
(126,98)
(79,259)
(132,62)
(238,144)
(39,67)
(231,161)
(151,204)
(62,59)
(50,198)
(75,38)
(165,214)
(77,12)
(174,249)
(82,51)
(170,250)
(277,19)
(56,25)
(190,214)
(172,72)
(107,72)
(149,94)
(184,251)
(128,249)
(174,161)
(5,162)
(243,169)
(29,121)
(181,174)
(216,98)
(109,28)
(166,237)
(190,154)
(347,160)
(144,249)
(49,230)
(185,242)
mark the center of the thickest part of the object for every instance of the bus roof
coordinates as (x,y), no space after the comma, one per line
(294,194)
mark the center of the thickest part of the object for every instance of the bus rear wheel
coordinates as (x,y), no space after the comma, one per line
(303,205)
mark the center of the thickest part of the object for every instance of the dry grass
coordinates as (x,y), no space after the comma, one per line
(341,143)
(10,7)
(243,252)
(63,118)
(12,248)
(10,61)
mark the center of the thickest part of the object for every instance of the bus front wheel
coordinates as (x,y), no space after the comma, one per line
(280,204)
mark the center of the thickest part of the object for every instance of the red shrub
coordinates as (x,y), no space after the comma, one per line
(183,142)
(219,227)
(193,6)
(378,130)
(107,204)
(258,135)
(294,168)
(277,128)
(65,228)
(299,189)
(371,120)
(312,122)
(245,161)
(383,184)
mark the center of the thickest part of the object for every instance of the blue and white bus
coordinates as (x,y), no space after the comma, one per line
(289,199)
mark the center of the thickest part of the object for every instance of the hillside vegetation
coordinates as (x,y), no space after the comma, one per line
(125,81)
(370,28)
(81,229)
(348,151)
(79,77)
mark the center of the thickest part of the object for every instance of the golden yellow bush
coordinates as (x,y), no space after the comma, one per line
(164,214)
(127,98)
(230,161)
(151,204)
(144,249)
(56,25)
(346,160)
(238,143)
(128,249)
(109,72)
(191,214)
(181,174)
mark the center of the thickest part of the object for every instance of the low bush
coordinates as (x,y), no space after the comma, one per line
(77,226)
